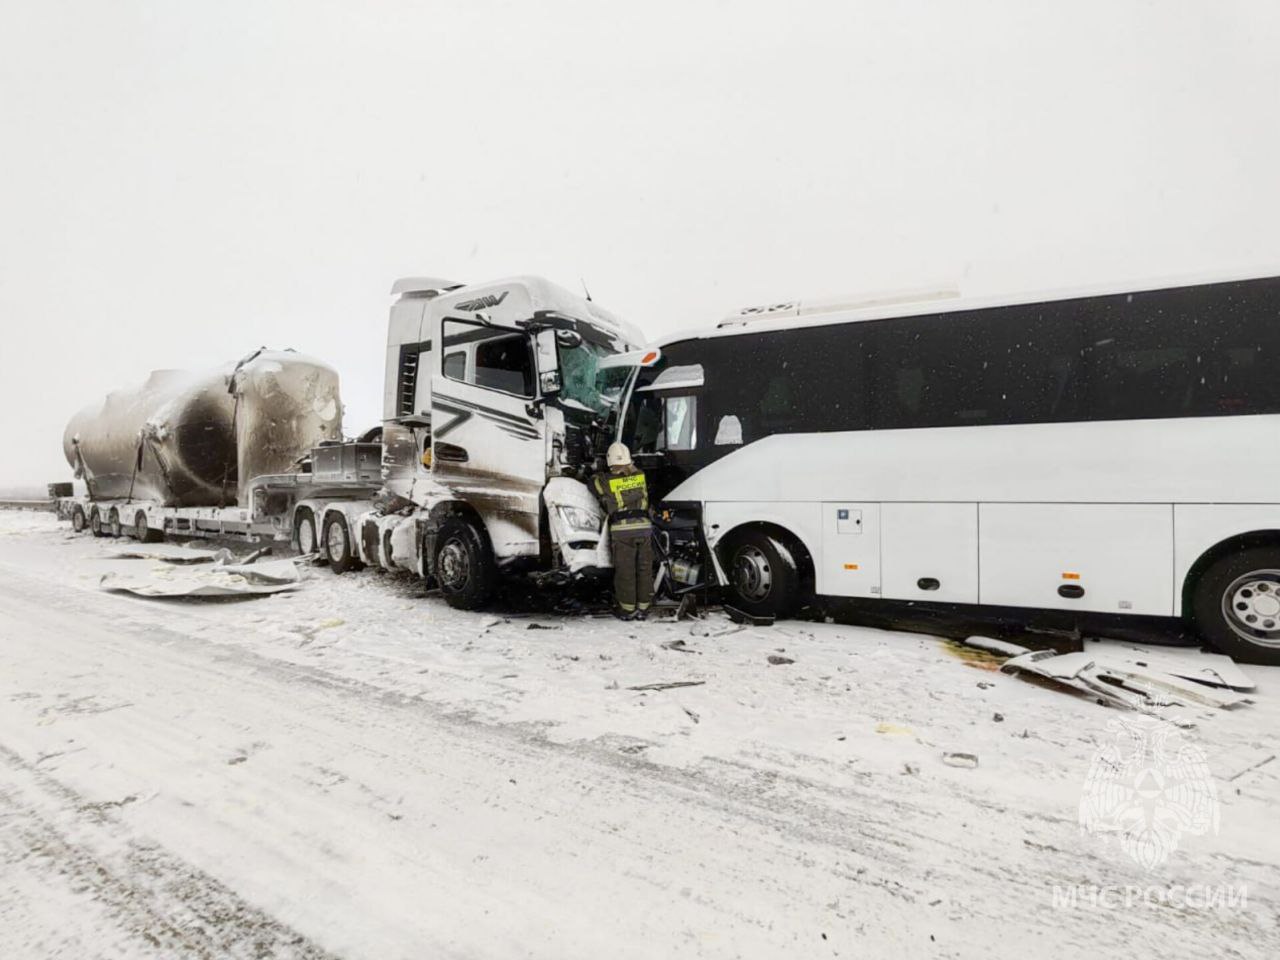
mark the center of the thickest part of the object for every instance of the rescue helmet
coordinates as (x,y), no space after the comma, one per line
(618,455)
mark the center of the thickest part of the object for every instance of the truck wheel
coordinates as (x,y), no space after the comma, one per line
(764,579)
(78,520)
(464,565)
(339,549)
(142,531)
(95,522)
(113,523)
(1235,605)
(304,523)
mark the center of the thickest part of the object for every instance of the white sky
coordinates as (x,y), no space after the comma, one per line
(182,183)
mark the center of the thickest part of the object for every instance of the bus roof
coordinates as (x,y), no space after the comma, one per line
(798,314)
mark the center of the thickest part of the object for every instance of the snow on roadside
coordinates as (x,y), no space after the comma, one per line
(856,703)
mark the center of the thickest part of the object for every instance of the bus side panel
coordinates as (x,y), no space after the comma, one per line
(1199,526)
(850,564)
(930,551)
(1105,557)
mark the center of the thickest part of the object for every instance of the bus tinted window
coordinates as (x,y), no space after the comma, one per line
(1197,352)
(1015,365)
(1190,352)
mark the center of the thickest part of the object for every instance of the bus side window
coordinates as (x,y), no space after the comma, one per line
(681,422)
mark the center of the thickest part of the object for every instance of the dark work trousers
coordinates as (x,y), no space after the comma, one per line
(632,549)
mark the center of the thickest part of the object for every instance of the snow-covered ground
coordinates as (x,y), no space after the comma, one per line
(354,769)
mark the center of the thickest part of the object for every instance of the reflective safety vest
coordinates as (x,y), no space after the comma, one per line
(624,497)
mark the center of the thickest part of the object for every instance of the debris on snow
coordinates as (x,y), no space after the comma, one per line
(777,661)
(671,685)
(991,645)
(1114,680)
(167,552)
(968,761)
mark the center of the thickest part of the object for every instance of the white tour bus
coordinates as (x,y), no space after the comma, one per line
(1113,453)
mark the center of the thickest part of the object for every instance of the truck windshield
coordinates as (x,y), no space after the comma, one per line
(580,383)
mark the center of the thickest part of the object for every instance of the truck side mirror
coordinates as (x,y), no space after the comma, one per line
(549,381)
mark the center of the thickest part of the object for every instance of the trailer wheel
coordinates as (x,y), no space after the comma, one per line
(464,565)
(78,520)
(114,527)
(764,578)
(338,546)
(1235,605)
(304,523)
(142,531)
(95,523)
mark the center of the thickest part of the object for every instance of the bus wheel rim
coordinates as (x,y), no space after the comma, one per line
(454,565)
(1251,607)
(752,575)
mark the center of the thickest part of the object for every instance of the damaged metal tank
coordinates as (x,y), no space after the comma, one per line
(187,439)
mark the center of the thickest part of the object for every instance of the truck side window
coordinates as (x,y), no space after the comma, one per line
(499,359)
(505,363)
(455,365)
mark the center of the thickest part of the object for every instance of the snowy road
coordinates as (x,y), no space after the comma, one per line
(357,771)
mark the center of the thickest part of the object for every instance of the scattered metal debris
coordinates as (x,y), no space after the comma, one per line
(968,761)
(777,661)
(670,685)
(741,616)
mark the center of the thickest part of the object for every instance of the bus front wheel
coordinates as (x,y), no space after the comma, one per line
(1235,605)
(764,578)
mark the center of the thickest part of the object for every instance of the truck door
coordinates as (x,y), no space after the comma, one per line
(488,434)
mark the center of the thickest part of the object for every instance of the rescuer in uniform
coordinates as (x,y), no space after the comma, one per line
(625,497)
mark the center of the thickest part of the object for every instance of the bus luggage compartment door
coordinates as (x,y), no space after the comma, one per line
(1106,557)
(929,551)
(850,550)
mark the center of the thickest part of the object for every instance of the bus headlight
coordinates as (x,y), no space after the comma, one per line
(579,519)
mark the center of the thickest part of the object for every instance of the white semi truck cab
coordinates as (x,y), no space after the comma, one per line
(493,419)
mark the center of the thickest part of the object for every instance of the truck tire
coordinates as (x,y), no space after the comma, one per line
(304,532)
(95,522)
(142,532)
(1235,605)
(113,523)
(79,522)
(464,565)
(764,578)
(338,547)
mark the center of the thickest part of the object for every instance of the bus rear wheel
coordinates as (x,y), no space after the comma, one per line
(79,522)
(339,548)
(95,523)
(1235,605)
(764,578)
(464,564)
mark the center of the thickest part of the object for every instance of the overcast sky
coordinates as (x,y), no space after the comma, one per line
(182,182)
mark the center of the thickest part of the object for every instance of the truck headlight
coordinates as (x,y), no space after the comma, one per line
(579,519)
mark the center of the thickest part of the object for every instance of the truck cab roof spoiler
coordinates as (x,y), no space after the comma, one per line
(423,286)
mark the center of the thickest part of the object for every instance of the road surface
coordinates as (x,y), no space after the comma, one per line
(355,771)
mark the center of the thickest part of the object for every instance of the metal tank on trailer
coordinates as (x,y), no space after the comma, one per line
(191,439)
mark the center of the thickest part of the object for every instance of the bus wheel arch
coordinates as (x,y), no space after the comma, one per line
(769,568)
(1231,597)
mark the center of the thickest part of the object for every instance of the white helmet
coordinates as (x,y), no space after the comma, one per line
(618,455)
